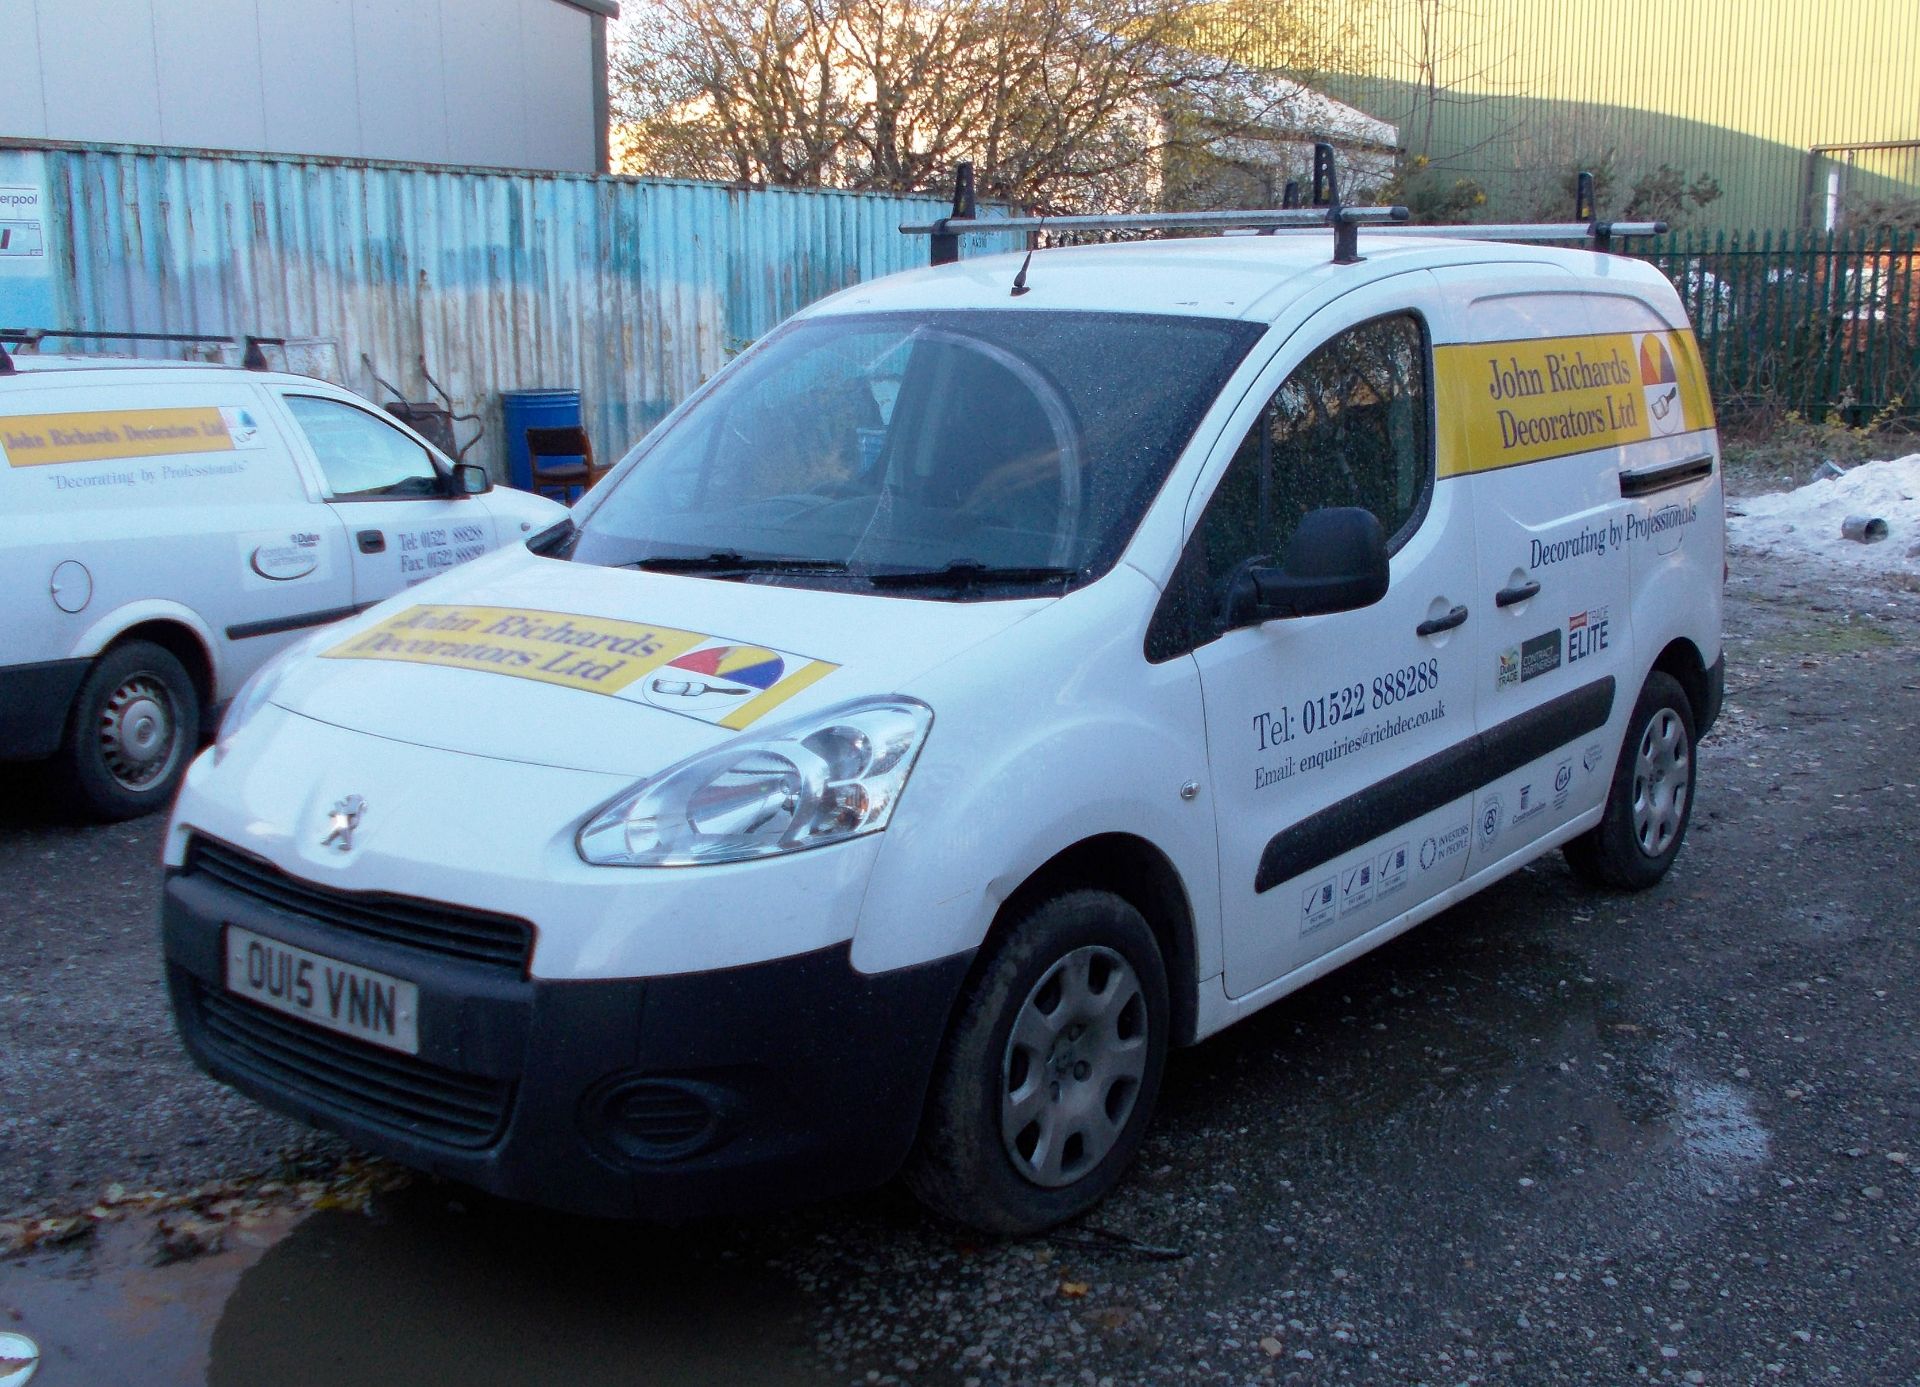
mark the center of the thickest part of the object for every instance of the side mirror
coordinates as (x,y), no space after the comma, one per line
(1336,562)
(470,479)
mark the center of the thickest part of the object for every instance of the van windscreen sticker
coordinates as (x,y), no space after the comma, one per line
(1527,401)
(34,440)
(710,678)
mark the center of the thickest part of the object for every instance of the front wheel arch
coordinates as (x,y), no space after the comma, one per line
(965,1164)
(1143,876)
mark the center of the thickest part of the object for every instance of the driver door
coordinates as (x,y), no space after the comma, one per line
(385,487)
(1329,736)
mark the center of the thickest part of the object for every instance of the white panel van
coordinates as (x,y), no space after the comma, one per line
(997,675)
(166,527)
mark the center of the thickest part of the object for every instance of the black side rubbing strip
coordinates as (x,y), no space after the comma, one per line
(276,625)
(1646,480)
(1443,777)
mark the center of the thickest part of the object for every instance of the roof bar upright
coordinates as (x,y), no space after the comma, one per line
(946,244)
(1326,193)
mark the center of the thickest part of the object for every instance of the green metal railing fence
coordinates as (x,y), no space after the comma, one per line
(1823,323)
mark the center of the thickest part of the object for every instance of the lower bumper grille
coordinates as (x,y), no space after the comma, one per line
(356,1080)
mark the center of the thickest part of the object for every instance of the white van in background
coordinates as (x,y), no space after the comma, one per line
(165,527)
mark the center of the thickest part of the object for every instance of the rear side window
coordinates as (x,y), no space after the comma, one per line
(1352,425)
(363,457)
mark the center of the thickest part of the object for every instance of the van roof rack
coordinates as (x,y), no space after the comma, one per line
(1327,211)
(251,354)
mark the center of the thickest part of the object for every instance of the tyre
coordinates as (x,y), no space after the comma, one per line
(1650,799)
(133,729)
(1048,1077)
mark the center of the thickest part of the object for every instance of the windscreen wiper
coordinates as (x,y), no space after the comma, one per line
(971,573)
(727,561)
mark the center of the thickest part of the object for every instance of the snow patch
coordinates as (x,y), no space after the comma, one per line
(1806,522)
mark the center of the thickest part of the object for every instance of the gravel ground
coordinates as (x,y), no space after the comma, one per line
(93,1085)
(1553,1135)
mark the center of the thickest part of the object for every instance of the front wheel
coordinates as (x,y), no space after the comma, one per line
(1049,1075)
(1651,798)
(132,732)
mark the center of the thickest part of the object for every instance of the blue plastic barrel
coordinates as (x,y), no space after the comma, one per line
(521,410)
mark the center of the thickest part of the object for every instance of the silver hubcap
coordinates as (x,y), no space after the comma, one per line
(139,738)
(1660,783)
(1072,1070)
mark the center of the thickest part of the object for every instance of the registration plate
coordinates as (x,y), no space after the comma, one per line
(359,1002)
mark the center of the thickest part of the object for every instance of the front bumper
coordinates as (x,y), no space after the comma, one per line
(34,702)
(669,1097)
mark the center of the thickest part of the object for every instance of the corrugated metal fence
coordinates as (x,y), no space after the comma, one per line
(633,291)
(1824,324)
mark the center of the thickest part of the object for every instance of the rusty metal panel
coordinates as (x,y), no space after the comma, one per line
(633,291)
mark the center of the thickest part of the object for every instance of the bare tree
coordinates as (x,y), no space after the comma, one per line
(1060,104)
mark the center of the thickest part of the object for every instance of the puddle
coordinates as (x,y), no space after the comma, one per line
(1719,1131)
(103,1313)
(415,1293)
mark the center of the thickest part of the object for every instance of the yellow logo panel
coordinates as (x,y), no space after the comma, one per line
(698,676)
(33,440)
(1527,401)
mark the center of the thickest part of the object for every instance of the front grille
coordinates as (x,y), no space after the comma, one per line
(351,1078)
(448,931)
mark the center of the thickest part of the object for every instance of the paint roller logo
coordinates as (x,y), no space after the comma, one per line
(715,677)
(1660,384)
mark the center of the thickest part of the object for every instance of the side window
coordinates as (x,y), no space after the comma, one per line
(1350,426)
(363,457)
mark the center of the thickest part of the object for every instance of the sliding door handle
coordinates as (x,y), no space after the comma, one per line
(1456,617)
(1519,592)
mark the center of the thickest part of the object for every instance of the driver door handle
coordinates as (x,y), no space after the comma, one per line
(372,542)
(1456,617)
(1519,592)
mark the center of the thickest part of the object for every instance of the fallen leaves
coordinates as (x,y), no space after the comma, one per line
(193,1223)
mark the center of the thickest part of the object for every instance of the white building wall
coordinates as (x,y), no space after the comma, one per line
(502,83)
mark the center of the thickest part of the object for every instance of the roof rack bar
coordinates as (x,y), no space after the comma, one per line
(6,362)
(1327,211)
(252,357)
(1156,221)
(35,335)
(1525,231)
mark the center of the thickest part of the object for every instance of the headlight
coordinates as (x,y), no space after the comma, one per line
(255,694)
(803,784)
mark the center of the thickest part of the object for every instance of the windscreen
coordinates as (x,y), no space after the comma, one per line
(863,448)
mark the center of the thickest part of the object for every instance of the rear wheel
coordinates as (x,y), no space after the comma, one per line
(133,729)
(1651,798)
(1049,1076)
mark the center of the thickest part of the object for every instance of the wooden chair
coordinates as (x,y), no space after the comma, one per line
(578,471)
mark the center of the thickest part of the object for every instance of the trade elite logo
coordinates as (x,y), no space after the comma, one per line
(1586,633)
